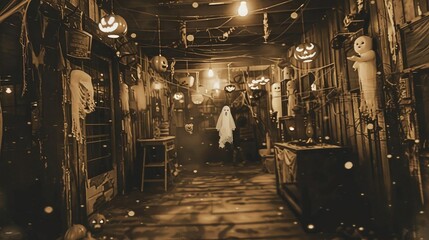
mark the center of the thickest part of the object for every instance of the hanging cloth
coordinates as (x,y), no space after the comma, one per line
(225,125)
(82,100)
(124,96)
(139,95)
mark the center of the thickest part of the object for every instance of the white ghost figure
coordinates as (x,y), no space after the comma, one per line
(367,71)
(291,97)
(225,125)
(82,100)
(276,100)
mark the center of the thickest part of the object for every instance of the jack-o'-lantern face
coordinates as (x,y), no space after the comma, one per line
(159,63)
(230,88)
(363,44)
(96,222)
(306,52)
(113,25)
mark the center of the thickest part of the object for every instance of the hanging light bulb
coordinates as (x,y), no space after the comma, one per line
(8,90)
(242,10)
(210,73)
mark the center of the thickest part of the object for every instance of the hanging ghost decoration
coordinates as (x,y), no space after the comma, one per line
(139,95)
(367,71)
(276,99)
(291,97)
(125,105)
(225,125)
(267,31)
(82,100)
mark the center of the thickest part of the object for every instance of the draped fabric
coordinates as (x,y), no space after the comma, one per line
(416,37)
(82,100)
(225,125)
(287,164)
(139,95)
(124,96)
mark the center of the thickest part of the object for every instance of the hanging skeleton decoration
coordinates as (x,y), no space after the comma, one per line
(82,100)
(391,31)
(266,30)
(366,67)
(291,102)
(225,125)
(276,99)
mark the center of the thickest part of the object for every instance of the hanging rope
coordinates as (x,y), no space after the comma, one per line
(159,36)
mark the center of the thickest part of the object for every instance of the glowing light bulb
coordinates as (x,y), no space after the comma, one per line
(242,10)
(216,85)
(8,90)
(210,73)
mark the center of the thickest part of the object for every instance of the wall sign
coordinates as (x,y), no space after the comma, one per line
(78,44)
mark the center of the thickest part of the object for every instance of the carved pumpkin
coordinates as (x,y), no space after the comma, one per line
(197,98)
(159,63)
(230,88)
(113,25)
(96,222)
(306,52)
(75,232)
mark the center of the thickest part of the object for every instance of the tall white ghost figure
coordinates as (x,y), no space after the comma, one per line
(367,71)
(276,99)
(291,97)
(225,125)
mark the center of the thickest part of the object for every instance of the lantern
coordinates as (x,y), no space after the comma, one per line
(187,81)
(230,88)
(178,96)
(197,98)
(159,63)
(113,25)
(306,52)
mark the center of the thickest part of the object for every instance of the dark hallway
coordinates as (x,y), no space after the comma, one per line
(215,202)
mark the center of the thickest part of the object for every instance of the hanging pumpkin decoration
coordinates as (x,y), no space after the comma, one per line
(230,88)
(114,25)
(306,52)
(197,98)
(159,63)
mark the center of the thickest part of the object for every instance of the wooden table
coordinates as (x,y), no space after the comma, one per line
(157,154)
(312,178)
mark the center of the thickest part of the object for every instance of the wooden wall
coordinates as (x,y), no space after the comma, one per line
(382,156)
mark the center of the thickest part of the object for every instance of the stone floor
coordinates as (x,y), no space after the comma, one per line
(211,202)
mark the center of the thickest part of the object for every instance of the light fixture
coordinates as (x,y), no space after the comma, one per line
(8,90)
(216,85)
(242,10)
(178,96)
(112,24)
(210,73)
